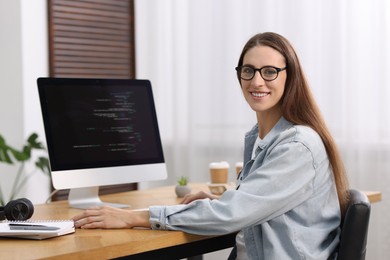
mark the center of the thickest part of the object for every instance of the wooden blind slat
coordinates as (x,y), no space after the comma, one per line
(91,59)
(89,71)
(101,2)
(90,12)
(98,5)
(91,31)
(58,21)
(61,41)
(94,66)
(94,18)
(88,53)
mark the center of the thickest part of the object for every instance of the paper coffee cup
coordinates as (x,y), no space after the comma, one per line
(219,172)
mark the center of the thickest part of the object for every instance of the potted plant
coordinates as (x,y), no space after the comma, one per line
(12,156)
(182,187)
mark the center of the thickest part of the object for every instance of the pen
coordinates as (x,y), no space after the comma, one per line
(14,226)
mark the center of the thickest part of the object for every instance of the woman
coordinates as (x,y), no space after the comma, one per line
(292,190)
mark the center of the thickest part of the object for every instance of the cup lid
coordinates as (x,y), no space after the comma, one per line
(239,164)
(219,165)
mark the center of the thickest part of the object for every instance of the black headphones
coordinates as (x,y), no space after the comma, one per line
(20,209)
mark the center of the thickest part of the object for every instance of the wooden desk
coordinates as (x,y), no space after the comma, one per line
(373,196)
(117,243)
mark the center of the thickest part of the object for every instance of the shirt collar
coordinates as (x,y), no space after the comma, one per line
(279,127)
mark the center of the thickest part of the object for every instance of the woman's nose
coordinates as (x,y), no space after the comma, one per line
(257,79)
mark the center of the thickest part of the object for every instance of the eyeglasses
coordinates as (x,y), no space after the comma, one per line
(268,73)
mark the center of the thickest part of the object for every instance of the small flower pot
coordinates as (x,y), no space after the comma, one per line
(181,191)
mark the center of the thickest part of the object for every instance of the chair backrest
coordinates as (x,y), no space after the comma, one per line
(354,227)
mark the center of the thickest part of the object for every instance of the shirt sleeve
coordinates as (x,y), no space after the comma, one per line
(280,182)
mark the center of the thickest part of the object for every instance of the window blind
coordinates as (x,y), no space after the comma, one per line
(91,38)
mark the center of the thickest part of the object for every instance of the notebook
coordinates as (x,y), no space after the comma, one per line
(36,229)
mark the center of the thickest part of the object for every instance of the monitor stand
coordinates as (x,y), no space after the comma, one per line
(83,198)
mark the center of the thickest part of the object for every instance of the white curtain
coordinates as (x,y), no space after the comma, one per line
(189,48)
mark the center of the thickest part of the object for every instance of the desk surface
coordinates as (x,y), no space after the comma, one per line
(373,196)
(114,243)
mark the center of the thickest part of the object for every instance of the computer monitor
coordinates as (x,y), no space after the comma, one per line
(100,132)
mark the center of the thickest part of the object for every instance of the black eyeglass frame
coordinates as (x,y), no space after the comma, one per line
(238,69)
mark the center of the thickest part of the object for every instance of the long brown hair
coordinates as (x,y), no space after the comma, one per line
(299,107)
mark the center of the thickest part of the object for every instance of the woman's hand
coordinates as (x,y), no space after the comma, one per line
(199,195)
(109,217)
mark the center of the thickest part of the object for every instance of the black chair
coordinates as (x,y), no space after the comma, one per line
(354,227)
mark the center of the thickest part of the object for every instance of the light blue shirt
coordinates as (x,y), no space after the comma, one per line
(286,203)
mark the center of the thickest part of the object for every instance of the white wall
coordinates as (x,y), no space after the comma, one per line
(11,73)
(24,57)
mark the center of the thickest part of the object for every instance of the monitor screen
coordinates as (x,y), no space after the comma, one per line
(100,131)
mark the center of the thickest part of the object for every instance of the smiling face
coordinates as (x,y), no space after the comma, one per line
(264,96)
